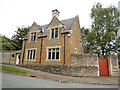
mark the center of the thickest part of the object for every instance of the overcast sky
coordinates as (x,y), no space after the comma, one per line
(16,13)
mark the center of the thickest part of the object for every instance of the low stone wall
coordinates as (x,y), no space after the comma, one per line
(65,70)
(84,60)
(114,66)
(7,57)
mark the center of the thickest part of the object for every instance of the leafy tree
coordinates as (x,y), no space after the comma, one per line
(105,23)
(20,34)
(85,32)
(7,44)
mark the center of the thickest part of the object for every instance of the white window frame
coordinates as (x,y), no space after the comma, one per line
(33,36)
(30,53)
(54,33)
(47,49)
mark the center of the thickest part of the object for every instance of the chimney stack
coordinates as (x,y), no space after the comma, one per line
(55,13)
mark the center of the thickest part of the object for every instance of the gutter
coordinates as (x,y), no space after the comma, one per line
(64,47)
(41,50)
(64,33)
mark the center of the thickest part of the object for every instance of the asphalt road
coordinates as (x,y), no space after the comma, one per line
(15,81)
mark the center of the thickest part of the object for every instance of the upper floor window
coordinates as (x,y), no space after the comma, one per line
(54,33)
(33,36)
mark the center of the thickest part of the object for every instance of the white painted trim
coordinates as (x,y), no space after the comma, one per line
(51,47)
(32,55)
(17,59)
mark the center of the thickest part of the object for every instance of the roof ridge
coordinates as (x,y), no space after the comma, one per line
(60,21)
(67,19)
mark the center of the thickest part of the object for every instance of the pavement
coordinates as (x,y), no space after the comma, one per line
(98,80)
(16,81)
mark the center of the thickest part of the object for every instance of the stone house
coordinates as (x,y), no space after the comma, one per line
(52,43)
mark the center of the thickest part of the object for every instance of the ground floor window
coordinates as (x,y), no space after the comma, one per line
(31,54)
(53,53)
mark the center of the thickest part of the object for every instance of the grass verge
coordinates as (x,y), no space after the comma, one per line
(11,69)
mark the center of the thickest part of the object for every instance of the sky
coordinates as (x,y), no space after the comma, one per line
(18,13)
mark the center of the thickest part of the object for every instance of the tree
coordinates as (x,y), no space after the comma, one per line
(85,32)
(20,34)
(105,23)
(7,44)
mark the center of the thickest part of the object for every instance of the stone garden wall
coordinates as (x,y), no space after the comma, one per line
(114,66)
(84,60)
(65,70)
(81,65)
(6,57)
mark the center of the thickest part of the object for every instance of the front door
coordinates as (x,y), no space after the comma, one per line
(17,58)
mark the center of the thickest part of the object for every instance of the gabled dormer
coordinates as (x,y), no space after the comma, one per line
(33,32)
(54,23)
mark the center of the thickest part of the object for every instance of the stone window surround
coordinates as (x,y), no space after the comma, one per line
(32,54)
(54,33)
(52,47)
(33,36)
(36,31)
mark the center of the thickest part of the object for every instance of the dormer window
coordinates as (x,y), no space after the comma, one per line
(43,30)
(33,36)
(54,33)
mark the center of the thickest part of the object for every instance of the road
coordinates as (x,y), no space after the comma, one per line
(16,81)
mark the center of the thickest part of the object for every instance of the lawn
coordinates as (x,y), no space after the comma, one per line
(12,69)
(0,67)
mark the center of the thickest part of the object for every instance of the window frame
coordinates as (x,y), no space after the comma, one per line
(31,53)
(51,48)
(53,33)
(33,36)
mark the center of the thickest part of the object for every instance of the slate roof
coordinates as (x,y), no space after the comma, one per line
(67,23)
(17,52)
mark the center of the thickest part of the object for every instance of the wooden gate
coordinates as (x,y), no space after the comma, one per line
(103,67)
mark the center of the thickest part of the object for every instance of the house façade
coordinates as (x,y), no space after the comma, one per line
(52,43)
